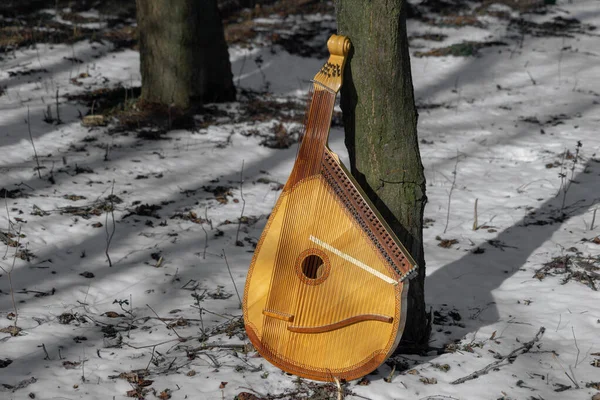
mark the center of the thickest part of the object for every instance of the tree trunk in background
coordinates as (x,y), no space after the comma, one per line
(183,54)
(380,120)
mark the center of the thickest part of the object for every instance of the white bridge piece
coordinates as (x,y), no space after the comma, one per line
(352,260)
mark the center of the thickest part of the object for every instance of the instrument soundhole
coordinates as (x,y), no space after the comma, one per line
(313,267)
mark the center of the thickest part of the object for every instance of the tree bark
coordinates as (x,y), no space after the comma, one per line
(380,120)
(183,54)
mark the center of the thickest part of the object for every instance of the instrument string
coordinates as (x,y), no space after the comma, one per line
(318,126)
(308,308)
(273,328)
(316,131)
(294,221)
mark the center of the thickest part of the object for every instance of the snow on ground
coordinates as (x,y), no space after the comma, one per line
(496,129)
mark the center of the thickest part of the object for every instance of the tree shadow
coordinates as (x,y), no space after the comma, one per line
(471,280)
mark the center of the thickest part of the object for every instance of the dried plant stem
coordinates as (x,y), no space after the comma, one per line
(490,367)
(205,233)
(475,225)
(58,121)
(200,309)
(593,219)
(576,346)
(572,380)
(167,325)
(151,357)
(237,234)
(9,275)
(46,352)
(232,281)
(340,392)
(566,184)
(37,161)
(109,235)
(450,193)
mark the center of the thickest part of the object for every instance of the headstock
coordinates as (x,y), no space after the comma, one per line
(332,73)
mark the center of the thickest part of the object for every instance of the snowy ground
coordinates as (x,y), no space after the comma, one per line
(498,128)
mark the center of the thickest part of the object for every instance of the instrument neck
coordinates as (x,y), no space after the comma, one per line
(317,125)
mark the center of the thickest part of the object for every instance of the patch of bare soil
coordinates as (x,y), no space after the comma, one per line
(25,23)
(464,49)
(242,29)
(557,27)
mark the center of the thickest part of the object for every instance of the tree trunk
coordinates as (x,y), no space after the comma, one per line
(380,120)
(183,54)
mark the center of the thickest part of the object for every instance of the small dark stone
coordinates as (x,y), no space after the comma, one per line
(5,363)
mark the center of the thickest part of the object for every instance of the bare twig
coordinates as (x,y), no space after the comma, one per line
(150,345)
(531,77)
(151,357)
(475,227)
(37,161)
(576,346)
(205,233)
(450,193)
(232,281)
(593,219)
(109,235)
(490,367)
(219,346)
(167,325)
(566,183)
(46,352)
(10,282)
(572,380)
(83,360)
(237,234)
(340,392)
(106,152)
(241,69)
(198,297)
(58,121)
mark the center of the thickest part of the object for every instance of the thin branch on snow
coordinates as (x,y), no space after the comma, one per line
(237,234)
(110,235)
(167,325)
(513,354)
(37,161)
(232,281)
(450,194)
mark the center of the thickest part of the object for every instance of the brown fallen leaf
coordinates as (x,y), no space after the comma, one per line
(71,364)
(112,314)
(246,396)
(165,394)
(13,330)
(222,385)
(94,120)
(447,243)
(364,381)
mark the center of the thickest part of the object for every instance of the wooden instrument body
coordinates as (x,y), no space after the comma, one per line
(325,295)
